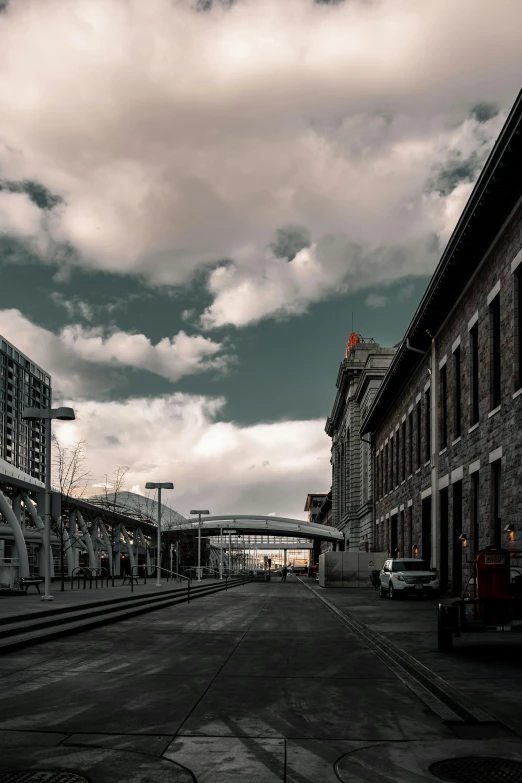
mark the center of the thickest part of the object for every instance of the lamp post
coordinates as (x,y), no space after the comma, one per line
(159,487)
(199,513)
(47,414)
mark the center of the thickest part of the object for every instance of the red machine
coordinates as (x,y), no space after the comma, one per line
(492,600)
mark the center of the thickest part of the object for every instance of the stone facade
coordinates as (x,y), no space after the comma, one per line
(359,377)
(446,425)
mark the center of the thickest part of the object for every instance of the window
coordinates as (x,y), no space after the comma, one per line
(427,425)
(386,463)
(418,463)
(392,463)
(457,415)
(496,502)
(494,352)
(475,542)
(474,375)
(443,410)
(410,443)
(403,448)
(518,328)
(397,458)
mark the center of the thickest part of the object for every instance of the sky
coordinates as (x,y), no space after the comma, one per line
(197,197)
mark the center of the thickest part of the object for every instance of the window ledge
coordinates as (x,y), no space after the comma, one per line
(495,410)
(428,462)
(457,440)
(403,482)
(443,451)
(410,476)
(517,393)
(417,471)
(474,427)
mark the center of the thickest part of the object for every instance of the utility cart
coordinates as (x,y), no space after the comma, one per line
(491,602)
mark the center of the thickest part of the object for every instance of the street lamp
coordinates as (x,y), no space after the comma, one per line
(159,487)
(199,513)
(37,414)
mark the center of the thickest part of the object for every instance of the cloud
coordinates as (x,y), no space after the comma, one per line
(198,138)
(376,300)
(83,362)
(405,293)
(73,305)
(179,438)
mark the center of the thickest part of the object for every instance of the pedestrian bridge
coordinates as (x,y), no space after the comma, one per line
(254,525)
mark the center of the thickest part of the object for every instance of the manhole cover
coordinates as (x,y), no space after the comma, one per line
(477,769)
(41,776)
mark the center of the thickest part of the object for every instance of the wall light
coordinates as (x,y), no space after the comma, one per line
(415,550)
(463,537)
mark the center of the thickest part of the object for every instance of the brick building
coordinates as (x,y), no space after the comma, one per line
(446,422)
(360,374)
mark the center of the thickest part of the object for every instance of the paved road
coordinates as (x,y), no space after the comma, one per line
(262,683)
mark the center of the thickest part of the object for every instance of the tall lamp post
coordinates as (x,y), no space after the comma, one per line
(159,487)
(47,414)
(199,513)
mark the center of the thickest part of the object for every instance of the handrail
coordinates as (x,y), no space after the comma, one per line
(99,572)
(172,573)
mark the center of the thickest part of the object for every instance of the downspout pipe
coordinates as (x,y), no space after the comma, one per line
(434,456)
(371,444)
(416,350)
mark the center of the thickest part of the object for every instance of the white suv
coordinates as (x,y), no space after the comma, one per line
(407,576)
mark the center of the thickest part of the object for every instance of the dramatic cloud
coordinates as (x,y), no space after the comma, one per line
(177,438)
(376,300)
(83,361)
(293,149)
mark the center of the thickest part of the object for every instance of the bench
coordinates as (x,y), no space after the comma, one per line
(128,578)
(27,581)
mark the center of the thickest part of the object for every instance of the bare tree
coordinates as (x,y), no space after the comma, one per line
(109,499)
(72,477)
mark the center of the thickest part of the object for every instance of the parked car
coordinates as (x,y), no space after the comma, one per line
(407,576)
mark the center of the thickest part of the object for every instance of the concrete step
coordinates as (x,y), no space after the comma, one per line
(51,624)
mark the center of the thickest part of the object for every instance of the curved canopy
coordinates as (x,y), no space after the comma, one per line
(259,525)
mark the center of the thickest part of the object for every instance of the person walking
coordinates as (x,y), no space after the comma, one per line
(284,573)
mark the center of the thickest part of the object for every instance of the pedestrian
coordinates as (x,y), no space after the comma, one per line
(284,573)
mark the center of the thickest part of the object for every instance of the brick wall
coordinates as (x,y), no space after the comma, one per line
(498,430)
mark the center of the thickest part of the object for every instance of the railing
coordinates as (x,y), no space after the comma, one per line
(172,573)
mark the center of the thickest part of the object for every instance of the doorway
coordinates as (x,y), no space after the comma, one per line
(457,530)
(444,515)
(426,530)
(393,535)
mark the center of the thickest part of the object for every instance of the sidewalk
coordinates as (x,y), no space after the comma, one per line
(14,606)
(485,667)
(260,684)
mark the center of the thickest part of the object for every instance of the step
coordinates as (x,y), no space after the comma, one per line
(131,597)
(79,621)
(46,619)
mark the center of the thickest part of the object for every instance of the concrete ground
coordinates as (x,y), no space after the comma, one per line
(261,683)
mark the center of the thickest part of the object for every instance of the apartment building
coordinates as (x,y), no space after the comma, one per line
(445,424)
(22,383)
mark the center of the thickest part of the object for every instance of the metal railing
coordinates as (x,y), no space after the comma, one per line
(172,573)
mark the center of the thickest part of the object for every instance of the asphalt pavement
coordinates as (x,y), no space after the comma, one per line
(261,683)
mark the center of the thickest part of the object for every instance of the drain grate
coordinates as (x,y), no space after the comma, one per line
(476,769)
(41,776)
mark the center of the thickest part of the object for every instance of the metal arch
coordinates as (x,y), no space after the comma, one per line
(255,523)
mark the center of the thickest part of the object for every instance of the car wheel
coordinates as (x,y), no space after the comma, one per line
(391,593)
(382,591)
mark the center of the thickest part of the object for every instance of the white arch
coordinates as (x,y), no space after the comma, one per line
(14,524)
